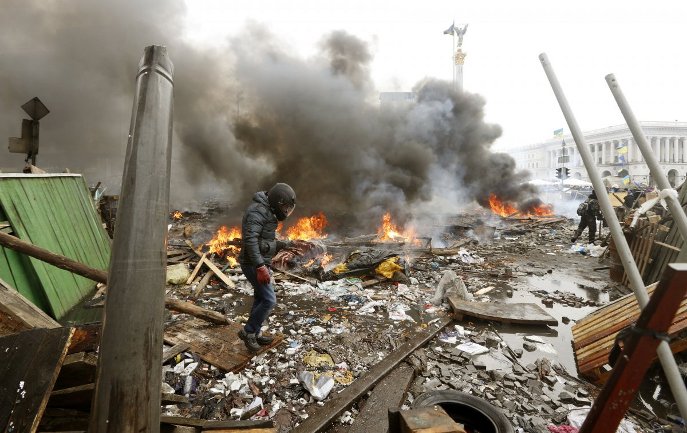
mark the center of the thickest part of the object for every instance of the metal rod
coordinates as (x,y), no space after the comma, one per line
(661,180)
(664,354)
(129,376)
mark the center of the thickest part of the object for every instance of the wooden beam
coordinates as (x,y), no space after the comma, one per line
(201,284)
(196,311)
(196,269)
(221,275)
(640,349)
(16,244)
(343,400)
(173,351)
(389,393)
(215,425)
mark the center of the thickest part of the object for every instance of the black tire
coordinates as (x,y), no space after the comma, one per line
(475,413)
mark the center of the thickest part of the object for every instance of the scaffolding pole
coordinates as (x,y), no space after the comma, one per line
(661,180)
(664,353)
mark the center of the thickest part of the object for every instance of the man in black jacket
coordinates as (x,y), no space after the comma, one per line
(259,245)
(589,211)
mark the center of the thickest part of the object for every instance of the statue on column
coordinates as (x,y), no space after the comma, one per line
(460,32)
(457,31)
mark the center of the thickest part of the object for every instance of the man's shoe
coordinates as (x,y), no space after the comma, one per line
(250,340)
(264,340)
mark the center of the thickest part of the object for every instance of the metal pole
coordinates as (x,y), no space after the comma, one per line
(127,393)
(661,180)
(664,354)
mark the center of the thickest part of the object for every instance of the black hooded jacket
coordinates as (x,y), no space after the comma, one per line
(258,233)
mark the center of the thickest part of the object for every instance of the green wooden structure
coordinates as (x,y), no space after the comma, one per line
(55,212)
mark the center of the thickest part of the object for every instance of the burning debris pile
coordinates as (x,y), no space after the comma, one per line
(334,326)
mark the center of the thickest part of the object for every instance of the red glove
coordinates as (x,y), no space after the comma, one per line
(263,275)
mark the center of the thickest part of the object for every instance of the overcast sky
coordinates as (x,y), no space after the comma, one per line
(640,42)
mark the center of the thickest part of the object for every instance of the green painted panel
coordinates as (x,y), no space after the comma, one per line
(17,271)
(56,213)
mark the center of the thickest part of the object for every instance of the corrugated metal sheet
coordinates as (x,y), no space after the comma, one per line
(54,212)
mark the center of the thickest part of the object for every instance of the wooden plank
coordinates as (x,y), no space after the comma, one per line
(194,310)
(343,400)
(76,397)
(242,430)
(430,419)
(526,314)
(62,420)
(218,345)
(86,338)
(214,424)
(18,314)
(638,353)
(221,275)
(594,336)
(77,369)
(80,397)
(617,307)
(389,393)
(196,269)
(201,284)
(29,364)
(667,246)
(173,351)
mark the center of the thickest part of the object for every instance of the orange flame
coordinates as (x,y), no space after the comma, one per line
(177,215)
(308,228)
(388,231)
(501,208)
(506,209)
(220,244)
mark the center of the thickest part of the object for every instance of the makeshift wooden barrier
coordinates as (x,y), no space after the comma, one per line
(639,350)
(594,335)
(641,246)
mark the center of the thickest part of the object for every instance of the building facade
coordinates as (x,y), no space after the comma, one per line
(614,151)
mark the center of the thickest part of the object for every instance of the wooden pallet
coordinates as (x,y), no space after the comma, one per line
(594,336)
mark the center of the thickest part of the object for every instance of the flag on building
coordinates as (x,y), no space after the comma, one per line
(621,159)
(558,133)
(622,149)
(626,180)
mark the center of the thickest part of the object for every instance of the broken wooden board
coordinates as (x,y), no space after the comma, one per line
(19,314)
(80,397)
(218,345)
(430,419)
(594,335)
(63,420)
(86,338)
(389,393)
(77,369)
(524,314)
(205,424)
(29,364)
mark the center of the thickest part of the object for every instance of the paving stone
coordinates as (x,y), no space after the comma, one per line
(566,397)
(530,347)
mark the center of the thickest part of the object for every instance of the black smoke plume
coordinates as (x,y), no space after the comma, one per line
(247,116)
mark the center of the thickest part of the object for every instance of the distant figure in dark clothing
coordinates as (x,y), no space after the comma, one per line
(589,211)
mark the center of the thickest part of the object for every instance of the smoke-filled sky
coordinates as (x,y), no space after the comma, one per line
(252,109)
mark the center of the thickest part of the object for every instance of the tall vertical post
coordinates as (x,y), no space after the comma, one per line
(665,355)
(659,177)
(127,394)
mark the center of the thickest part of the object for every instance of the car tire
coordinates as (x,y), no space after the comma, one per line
(475,413)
